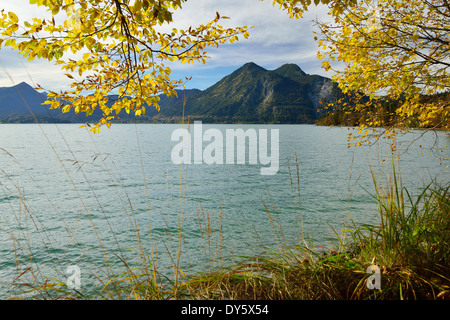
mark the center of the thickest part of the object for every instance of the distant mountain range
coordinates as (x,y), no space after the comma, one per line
(251,94)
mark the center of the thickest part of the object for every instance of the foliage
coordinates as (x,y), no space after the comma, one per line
(343,113)
(392,50)
(296,8)
(112,45)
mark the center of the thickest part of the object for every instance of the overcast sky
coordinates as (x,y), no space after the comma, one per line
(275,40)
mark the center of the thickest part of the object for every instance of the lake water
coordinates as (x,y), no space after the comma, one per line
(68,197)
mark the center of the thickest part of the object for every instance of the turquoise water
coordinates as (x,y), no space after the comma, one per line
(68,197)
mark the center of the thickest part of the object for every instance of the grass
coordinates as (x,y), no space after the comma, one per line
(410,245)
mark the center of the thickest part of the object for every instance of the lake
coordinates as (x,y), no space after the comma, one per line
(68,197)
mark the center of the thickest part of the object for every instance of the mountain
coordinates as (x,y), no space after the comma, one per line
(14,99)
(251,94)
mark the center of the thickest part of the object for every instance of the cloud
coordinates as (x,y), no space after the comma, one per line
(274,40)
(271,26)
(15,69)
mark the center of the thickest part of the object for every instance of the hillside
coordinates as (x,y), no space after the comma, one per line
(251,94)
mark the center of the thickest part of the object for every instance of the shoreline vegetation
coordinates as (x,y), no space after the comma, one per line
(386,113)
(410,246)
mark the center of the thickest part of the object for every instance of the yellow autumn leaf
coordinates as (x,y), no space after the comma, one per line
(86,56)
(13,17)
(54,105)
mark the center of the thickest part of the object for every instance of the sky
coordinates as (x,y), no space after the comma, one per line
(275,40)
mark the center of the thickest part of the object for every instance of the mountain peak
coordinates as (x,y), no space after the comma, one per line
(23,84)
(290,70)
(252,66)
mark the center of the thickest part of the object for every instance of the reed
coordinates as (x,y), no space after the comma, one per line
(410,245)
